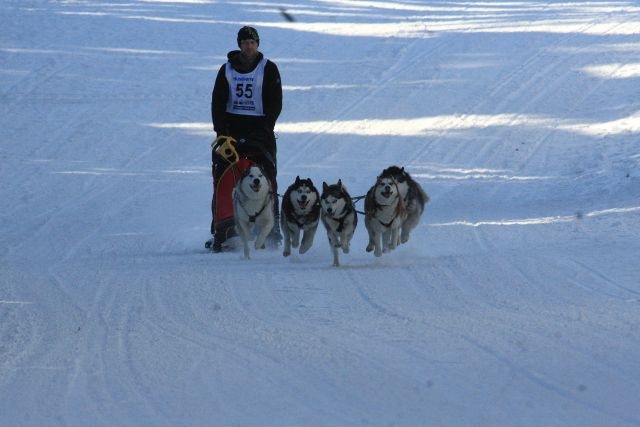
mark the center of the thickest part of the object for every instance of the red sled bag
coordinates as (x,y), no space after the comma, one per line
(229,168)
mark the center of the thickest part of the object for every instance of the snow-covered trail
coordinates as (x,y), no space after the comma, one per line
(515,303)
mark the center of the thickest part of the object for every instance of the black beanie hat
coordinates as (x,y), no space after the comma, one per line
(248,33)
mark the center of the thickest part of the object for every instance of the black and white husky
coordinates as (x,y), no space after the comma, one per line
(413,196)
(384,215)
(339,217)
(300,212)
(253,207)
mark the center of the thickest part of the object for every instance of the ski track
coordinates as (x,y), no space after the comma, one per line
(509,363)
(527,75)
(382,81)
(560,81)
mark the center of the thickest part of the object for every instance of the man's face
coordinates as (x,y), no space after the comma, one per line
(249,48)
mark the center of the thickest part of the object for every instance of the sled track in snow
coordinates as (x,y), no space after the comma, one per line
(462,325)
(405,59)
(526,76)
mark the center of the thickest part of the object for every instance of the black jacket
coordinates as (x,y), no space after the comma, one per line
(238,125)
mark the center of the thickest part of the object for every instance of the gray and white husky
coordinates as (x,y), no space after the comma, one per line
(300,212)
(253,207)
(413,196)
(384,215)
(339,217)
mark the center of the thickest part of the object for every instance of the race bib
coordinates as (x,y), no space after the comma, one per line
(245,91)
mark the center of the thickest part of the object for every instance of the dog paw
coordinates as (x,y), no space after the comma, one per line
(304,248)
(345,249)
(370,247)
(286,253)
(378,253)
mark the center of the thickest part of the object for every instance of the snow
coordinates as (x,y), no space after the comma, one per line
(516,301)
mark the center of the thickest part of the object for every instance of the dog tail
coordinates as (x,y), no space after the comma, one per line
(422,197)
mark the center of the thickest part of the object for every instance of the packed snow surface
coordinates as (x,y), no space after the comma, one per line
(516,301)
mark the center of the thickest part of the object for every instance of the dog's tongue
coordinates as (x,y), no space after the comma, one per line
(386,194)
(303,204)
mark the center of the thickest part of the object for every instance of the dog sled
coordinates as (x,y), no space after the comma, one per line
(231,158)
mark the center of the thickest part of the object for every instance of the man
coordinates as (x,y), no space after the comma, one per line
(245,104)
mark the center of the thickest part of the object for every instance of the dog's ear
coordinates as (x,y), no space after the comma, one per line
(325,187)
(311,185)
(340,184)
(298,180)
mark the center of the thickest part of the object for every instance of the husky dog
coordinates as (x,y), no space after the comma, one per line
(339,217)
(253,205)
(413,196)
(384,215)
(300,212)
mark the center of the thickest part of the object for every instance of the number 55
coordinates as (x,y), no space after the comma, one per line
(244,90)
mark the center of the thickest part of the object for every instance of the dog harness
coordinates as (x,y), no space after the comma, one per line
(252,218)
(401,201)
(379,206)
(348,208)
(389,223)
(306,218)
